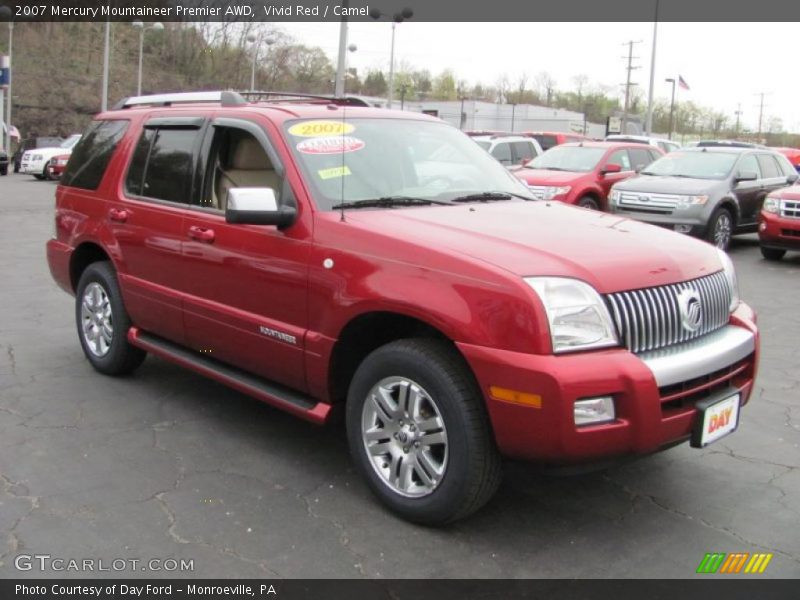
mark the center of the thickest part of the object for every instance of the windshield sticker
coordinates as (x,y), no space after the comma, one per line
(321,128)
(330,145)
(333,172)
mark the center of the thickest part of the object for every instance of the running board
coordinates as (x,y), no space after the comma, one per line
(275,394)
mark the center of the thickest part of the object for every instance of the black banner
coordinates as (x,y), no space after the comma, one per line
(427,10)
(552,589)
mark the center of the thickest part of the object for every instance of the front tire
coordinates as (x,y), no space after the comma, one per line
(772,253)
(588,202)
(419,433)
(103,323)
(720,228)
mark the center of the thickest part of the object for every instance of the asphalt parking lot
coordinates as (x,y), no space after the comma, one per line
(166,464)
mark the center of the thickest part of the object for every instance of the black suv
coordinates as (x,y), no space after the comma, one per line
(707,192)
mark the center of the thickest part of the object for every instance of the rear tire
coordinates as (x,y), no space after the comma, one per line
(419,433)
(103,322)
(772,253)
(720,228)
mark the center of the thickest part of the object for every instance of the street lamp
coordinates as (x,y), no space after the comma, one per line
(5,13)
(671,106)
(256,41)
(398,18)
(141,27)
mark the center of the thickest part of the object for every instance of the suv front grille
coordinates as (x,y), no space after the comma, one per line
(650,318)
(537,191)
(790,209)
(654,203)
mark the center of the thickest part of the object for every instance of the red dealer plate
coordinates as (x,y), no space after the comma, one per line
(716,418)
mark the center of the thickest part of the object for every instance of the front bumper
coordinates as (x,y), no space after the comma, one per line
(654,394)
(778,232)
(32,167)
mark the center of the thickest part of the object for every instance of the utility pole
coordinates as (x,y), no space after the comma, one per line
(760,112)
(738,114)
(648,128)
(628,83)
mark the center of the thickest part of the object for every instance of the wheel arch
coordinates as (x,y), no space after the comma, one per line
(85,254)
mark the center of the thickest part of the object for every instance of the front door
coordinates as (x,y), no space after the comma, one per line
(246,301)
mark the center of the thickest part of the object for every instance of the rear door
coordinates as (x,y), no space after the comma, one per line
(147,219)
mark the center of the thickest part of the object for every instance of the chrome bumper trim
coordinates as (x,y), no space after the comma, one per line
(699,357)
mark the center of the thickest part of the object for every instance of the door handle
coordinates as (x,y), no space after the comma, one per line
(202,234)
(118,215)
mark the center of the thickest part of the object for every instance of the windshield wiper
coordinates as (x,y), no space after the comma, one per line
(490,197)
(388,202)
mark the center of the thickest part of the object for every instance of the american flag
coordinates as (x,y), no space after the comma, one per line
(682,83)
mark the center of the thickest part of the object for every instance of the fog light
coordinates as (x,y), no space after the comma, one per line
(593,411)
(683,228)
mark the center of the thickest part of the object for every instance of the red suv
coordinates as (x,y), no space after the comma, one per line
(779,226)
(324,258)
(583,173)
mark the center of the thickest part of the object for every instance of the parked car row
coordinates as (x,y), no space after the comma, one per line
(37,161)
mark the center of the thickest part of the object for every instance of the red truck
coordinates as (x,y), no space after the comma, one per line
(583,173)
(329,258)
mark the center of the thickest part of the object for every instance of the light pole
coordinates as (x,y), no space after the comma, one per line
(398,18)
(140,26)
(649,122)
(671,105)
(5,13)
(256,41)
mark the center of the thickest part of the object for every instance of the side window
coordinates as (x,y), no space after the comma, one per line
(654,155)
(163,164)
(502,152)
(236,159)
(640,158)
(523,151)
(92,153)
(769,168)
(749,163)
(620,157)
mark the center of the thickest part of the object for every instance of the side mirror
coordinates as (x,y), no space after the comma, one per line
(611,168)
(526,161)
(257,206)
(746,176)
(790,179)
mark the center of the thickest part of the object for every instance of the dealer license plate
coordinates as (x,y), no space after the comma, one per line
(715,419)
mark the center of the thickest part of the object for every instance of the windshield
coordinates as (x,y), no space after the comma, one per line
(365,159)
(696,165)
(70,141)
(568,158)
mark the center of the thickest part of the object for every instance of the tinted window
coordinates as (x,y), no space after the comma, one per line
(546,141)
(523,151)
(640,157)
(697,165)
(769,168)
(502,152)
(620,157)
(568,158)
(91,155)
(168,161)
(749,163)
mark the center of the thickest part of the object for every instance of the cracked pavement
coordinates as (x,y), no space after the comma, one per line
(167,464)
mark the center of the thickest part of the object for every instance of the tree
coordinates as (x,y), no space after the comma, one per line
(444,86)
(546,87)
(375,84)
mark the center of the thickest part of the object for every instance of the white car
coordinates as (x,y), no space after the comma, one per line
(666,146)
(34,162)
(509,150)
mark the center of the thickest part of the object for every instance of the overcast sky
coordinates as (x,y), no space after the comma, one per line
(725,64)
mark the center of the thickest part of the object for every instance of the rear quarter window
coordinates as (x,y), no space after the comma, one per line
(91,155)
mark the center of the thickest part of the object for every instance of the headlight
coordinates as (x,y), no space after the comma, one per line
(552,192)
(577,315)
(614,196)
(685,202)
(730,275)
(772,204)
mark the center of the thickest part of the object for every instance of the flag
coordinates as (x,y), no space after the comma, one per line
(682,83)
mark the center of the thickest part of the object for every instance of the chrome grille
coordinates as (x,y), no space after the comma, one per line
(649,319)
(537,191)
(654,202)
(790,209)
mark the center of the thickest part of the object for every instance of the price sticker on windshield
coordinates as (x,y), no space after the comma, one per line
(330,145)
(321,128)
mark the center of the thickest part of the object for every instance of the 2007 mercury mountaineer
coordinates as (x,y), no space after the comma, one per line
(322,256)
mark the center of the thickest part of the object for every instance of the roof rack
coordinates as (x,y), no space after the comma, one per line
(231,98)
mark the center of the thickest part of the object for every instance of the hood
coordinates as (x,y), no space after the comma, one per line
(610,252)
(545,177)
(669,185)
(788,193)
